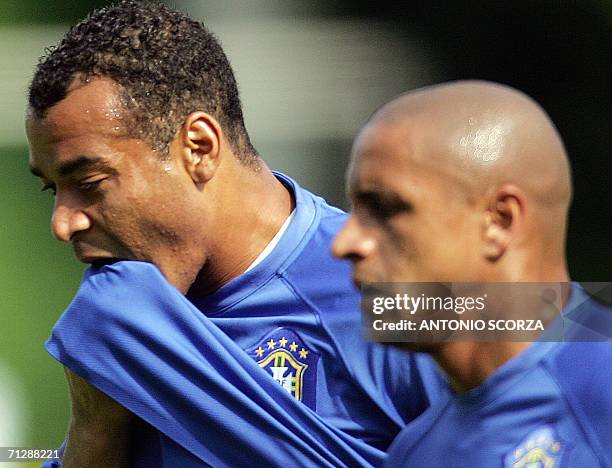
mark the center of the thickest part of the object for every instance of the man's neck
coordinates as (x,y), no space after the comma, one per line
(470,363)
(256,209)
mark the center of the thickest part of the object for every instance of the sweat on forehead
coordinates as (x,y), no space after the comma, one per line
(95,105)
(394,158)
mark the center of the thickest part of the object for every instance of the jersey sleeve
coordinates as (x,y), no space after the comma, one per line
(132,335)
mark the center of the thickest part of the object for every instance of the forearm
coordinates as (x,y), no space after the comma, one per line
(96,446)
(99,433)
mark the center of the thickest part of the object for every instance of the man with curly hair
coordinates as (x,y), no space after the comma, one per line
(213,326)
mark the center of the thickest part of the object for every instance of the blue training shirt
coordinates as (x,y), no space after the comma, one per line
(550,406)
(270,370)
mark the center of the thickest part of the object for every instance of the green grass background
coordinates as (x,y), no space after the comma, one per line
(38,277)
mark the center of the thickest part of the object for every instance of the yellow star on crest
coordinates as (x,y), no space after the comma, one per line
(271,344)
(303,353)
(259,351)
(282,342)
(293,347)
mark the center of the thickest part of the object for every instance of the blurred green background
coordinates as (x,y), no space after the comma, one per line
(311,73)
(37,277)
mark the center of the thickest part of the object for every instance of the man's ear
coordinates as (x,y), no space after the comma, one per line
(503,219)
(200,144)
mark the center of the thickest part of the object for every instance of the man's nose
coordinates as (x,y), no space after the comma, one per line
(353,241)
(67,221)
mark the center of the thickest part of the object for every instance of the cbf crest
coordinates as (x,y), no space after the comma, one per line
(542,448)
(290,363)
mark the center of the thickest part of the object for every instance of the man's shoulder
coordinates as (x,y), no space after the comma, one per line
(328,215)
(583,373)
(331,217)
(315,267)
(583,370)
(314,259)
(583,362)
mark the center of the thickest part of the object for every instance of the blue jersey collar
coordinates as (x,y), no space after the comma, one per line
(291,243)
(511,371)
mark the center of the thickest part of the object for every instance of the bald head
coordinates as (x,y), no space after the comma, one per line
(474,166)
(484,134)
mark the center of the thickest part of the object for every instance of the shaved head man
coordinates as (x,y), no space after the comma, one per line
(482,168)
(470,182)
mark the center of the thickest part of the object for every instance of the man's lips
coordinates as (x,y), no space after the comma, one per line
(99,263)
(88,253)
(361,279)
(357,282)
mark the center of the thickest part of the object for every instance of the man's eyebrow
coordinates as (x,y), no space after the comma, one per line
(82,162)
(372,193)
(70,167)
(380,198)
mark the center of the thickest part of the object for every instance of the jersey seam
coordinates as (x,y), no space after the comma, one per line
(300,297)
(228,307)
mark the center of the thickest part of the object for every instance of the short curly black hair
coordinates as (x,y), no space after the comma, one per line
(166,64)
